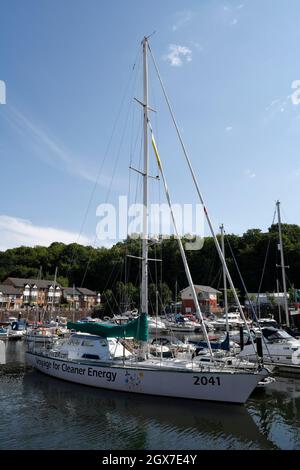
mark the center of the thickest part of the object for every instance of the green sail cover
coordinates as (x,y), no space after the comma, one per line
(137,329)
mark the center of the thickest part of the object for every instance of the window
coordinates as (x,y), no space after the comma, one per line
(87,343)
(90,356)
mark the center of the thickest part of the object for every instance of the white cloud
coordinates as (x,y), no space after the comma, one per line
(295,96)
(15,232)
(177,54)
(250,174)
(228,128)
(2,92)
(280,105)
(182,17)
(234,21)
(239,7)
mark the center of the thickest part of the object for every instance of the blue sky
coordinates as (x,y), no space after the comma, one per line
(230,68)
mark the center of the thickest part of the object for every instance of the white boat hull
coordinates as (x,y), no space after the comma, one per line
(231,387)
(277,355)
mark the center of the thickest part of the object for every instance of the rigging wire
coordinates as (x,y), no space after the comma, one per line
(113,172)
(265,263)
(100,169)
(254,316)
(189,164)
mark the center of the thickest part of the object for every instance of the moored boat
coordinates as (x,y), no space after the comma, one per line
(41,335)
(105,362)
(95,355)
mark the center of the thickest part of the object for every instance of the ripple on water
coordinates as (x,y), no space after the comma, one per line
(44,413)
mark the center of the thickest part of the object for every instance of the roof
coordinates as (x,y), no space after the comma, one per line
(6,289)
(71,291)
(199,288)
(40,283)
(85,291)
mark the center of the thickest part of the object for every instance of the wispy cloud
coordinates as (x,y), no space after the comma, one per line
(55,154)
(250,174)
(197,46)
(231,13)
(15,232)
(280,105)
(178,54)
(273,103)
(233,8)
(2,92)
(182,18)
(228,128)
(295,96)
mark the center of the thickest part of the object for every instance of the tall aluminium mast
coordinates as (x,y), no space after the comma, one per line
(144,290)
(286,307)
(224,280)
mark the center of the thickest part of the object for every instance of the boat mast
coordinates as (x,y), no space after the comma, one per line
(218,248)
(54,288)
(278,303)
(176,296)
(144,289)
(181,249)
(286,308)
(224,280)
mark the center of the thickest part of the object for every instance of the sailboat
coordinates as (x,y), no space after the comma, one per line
(96,355)
(278,346)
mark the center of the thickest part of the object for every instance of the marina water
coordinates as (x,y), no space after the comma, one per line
(40,412)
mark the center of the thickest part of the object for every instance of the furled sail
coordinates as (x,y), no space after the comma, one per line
(137,329)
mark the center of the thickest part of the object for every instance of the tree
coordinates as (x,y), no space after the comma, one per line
(101,269)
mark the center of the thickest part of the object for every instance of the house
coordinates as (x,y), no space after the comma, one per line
(81,297)
(36,292)
(72,296)
(207,297)
(88,297)
(10,297)
(21,292)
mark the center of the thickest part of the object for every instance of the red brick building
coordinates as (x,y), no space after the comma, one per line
(207,297)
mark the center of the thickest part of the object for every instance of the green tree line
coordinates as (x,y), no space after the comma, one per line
(112,272)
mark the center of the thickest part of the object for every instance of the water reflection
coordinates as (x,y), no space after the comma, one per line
(51,414)
(12,352)
(40,412)
(277,412)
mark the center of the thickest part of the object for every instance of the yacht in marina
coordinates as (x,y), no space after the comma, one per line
(96,354)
